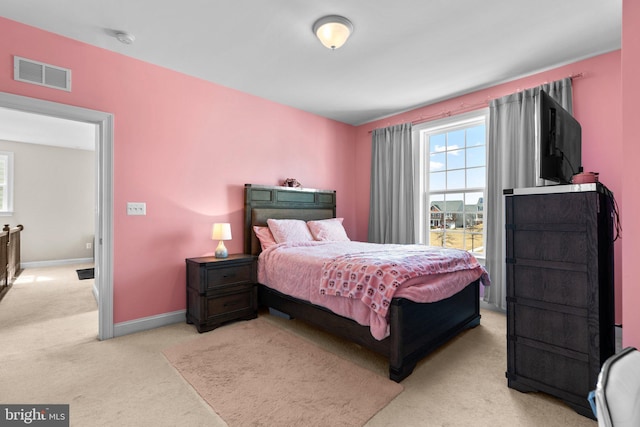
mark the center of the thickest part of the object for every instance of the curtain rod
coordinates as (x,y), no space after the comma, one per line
(463,108)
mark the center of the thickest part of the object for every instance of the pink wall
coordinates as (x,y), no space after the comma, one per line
(597,106)
(185,147)
(629,168)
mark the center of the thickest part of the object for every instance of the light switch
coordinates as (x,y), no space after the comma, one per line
(136,208)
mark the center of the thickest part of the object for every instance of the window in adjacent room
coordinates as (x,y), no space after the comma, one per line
(452,181)
(6,183)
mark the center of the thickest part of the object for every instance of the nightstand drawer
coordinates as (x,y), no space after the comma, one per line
(225,276)
(230,304)
(211,310)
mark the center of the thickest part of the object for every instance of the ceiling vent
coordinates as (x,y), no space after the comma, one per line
(39,73)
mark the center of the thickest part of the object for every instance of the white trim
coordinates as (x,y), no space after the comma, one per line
(55,262)
(463,120)
(103,246)
(104,197)
(8,183)
(419,133)
(151,322)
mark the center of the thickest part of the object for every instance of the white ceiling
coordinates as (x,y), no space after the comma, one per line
(19,126)
(402,54)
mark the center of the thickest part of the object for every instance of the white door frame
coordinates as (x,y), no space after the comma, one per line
(104,196)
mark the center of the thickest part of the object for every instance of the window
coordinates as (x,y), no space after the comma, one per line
(6,183)
(452,181)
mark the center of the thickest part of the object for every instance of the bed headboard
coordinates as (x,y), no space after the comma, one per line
(262,202)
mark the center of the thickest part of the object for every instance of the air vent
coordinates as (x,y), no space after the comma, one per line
(39,73)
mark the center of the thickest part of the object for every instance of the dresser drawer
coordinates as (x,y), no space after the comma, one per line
(560,329)
(552,285)
(553,369)
(564,208)
(538,244)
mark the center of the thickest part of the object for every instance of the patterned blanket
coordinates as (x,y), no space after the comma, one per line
(374,277)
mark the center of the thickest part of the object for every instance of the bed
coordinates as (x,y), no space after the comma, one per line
(414,329)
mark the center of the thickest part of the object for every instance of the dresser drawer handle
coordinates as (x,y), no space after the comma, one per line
(232,303)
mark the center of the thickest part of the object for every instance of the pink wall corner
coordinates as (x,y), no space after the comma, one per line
(362,172)
(628,163)
(186,148)
(597,101)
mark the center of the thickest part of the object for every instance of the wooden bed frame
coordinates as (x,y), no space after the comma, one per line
(415,329)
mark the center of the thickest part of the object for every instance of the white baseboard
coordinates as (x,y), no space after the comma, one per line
(55,262)
(146,323)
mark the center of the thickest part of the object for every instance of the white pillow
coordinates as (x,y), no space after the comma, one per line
(328,229)
(289,230)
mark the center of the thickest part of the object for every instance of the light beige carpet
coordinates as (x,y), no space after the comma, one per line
(49,353)
(257,374)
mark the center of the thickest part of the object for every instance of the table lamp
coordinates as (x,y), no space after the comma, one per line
(221,232)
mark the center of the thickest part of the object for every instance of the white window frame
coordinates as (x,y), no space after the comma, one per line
(6,208)
(420,139)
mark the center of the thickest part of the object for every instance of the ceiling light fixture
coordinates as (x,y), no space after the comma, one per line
(333,30)
(125,38)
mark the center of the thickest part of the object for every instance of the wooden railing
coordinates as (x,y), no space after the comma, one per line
(9,256)
(4,260)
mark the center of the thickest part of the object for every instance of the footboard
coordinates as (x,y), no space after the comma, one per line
(416,329)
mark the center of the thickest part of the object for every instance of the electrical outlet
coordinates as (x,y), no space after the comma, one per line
(88,246)
(136,208)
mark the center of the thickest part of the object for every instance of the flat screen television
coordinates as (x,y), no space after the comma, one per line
(560,141)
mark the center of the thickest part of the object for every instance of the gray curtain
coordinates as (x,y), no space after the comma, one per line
(391,212)
(511,163)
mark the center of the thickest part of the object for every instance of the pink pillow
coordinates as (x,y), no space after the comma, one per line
(289,230)
(265,236)
(328,229)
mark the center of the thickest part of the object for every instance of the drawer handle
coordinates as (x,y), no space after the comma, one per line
(228,276)
(232,303)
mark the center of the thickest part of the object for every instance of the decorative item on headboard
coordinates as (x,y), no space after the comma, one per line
(291,182)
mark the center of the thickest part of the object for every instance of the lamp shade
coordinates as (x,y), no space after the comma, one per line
(221,231)
(333,31)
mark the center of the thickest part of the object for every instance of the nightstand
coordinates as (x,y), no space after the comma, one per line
(220,290)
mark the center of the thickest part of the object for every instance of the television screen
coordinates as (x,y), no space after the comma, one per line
(560,141)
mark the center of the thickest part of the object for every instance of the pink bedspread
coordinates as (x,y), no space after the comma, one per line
(304,270)
(374,276)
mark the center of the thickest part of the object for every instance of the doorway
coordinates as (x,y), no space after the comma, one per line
(104,193)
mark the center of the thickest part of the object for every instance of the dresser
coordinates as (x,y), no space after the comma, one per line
(560,306)
(220,290)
